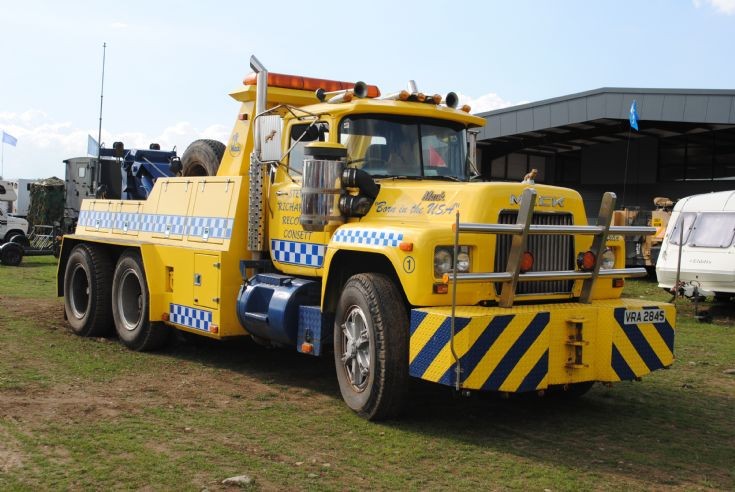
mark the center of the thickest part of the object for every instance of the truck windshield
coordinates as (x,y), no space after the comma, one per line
(394,146)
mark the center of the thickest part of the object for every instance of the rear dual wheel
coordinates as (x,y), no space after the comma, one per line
(87,281)
(130,306)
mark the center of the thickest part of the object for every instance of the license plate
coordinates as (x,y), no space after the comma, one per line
(633,317)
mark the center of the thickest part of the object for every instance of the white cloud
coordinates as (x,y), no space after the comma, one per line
(118,25)
(486,102)
(726,7)
(43,144)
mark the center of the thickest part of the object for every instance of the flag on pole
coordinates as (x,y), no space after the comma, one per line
(9,139)
(93,147)
(634,116)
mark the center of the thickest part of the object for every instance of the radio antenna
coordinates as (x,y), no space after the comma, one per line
(102,95)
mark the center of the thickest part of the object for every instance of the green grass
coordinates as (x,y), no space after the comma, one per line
(88,414)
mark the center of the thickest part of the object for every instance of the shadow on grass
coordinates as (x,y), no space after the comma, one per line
(654,431)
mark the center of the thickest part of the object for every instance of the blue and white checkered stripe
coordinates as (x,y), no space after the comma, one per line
(368,237)
(307,254)
(219,227)
(199,319)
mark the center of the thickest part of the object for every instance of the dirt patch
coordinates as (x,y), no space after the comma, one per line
(46,313)
(10,456)
(204,376)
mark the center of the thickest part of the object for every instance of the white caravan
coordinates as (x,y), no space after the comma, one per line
(707,259)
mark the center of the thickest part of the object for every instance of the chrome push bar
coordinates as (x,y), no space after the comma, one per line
(523,228)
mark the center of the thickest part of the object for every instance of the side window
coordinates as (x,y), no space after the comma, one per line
(301,136)
(676,233)
(82,172)
(713,230)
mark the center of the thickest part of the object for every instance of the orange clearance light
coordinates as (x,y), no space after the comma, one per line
(307,348)
(436,99)
(404,95)
(586,261)
(618,282)
(466,108)
(526,261)
(445,278)
(165,317)
(242,116)
(213,328)
(308,83)
(405,246)
(441,288)
(421,97)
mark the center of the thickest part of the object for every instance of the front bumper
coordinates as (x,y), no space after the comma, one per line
(530,347)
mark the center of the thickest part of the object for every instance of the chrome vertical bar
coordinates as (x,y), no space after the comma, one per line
(457,367)
(518,246)
(604,218)
(256,186)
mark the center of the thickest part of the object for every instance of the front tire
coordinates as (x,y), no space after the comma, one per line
(130,306)
(371,346)
(87,281)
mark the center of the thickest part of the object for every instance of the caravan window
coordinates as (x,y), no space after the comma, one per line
(713,230)
(676,233)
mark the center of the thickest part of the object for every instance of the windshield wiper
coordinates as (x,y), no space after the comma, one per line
(443,178)
(418,178)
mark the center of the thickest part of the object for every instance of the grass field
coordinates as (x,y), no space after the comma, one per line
(81,413)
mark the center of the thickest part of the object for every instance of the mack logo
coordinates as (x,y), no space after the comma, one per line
(542,201)
(431,196)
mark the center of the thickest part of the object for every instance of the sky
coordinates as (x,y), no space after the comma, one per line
(169,66)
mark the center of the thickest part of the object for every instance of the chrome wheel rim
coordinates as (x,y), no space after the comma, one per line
(79,292)
(356,348)
(130,300)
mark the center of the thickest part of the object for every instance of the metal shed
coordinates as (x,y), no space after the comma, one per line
(685,143)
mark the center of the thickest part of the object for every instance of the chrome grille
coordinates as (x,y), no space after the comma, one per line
(550,253)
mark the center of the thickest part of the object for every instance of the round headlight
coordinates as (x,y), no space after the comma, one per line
(608,259)
(442,262)
(463,262)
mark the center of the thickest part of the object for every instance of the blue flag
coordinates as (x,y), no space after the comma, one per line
(634,116)
(9,139)
(93,147)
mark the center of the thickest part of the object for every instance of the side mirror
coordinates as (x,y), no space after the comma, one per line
(270,128)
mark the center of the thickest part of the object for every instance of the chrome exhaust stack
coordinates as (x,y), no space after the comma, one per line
(256,223)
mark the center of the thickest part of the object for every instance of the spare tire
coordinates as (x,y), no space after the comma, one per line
(202,158)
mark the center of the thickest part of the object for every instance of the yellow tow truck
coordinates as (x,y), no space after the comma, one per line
(339,221)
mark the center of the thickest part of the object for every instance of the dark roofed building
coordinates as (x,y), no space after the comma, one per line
(686,143)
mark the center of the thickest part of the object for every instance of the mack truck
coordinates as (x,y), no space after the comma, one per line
(343,222)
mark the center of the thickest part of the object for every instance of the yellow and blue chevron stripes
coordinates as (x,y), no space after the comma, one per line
(527,348)
(638,349)
(504,352)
